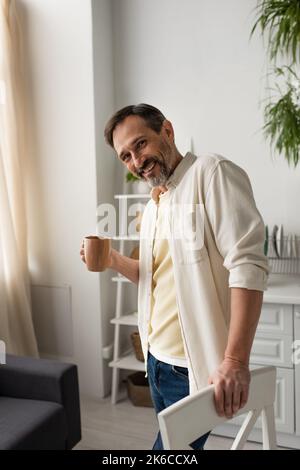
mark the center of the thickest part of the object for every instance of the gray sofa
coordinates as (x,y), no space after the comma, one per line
(39,404)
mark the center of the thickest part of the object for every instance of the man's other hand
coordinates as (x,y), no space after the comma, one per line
(231,381)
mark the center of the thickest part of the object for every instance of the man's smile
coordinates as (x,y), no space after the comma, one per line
(149,169)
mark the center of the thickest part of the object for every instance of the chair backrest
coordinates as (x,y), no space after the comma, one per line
(188,419)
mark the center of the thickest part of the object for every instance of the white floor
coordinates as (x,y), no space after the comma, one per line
(127,427)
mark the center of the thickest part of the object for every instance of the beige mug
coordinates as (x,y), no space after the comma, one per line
(97,253)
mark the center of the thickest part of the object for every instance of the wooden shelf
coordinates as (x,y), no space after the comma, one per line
(120,279)
(129,238)
(130,319)
(132,196)
(128,362)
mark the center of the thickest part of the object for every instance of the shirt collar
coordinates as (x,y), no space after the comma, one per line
(176,176)
(180,170)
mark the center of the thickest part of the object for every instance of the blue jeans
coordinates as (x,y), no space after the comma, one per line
(168,384)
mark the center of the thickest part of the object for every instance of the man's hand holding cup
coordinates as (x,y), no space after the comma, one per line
(96,253)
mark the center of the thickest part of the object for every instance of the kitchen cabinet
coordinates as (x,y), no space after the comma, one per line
(276,342)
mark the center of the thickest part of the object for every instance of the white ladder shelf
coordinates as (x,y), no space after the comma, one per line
(126,360)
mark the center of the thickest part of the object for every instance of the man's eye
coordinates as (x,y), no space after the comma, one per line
(126,157)
(140,144)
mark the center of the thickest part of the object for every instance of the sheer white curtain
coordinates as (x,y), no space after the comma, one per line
(16,327)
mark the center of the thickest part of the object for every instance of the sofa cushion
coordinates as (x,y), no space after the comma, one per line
(31,424)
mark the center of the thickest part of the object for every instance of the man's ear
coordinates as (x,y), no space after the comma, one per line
(168,129)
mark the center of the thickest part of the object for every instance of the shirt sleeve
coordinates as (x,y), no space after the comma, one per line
(237,225)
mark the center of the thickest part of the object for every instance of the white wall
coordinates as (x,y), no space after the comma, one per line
(194,61)
(106,161)
(64,191)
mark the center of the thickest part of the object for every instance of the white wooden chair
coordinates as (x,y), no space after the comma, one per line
(186,420)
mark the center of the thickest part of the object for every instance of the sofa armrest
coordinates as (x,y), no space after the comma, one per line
(45,380)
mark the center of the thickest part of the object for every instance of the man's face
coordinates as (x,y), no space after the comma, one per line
(148,155)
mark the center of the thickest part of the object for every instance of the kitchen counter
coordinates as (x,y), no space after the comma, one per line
(283,288)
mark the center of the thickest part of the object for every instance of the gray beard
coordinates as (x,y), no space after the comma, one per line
(161,179)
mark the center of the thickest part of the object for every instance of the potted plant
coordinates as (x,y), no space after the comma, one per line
(281,20)
(138,185)
(282,116)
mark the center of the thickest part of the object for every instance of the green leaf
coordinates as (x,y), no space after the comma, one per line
(281,20)
(131,177)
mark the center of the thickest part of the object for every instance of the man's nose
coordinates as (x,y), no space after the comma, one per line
(138,160)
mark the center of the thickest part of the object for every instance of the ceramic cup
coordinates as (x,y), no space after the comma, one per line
(96,253)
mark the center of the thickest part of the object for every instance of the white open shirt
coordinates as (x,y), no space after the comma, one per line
(227,251)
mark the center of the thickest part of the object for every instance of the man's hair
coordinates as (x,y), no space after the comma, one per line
(153,117)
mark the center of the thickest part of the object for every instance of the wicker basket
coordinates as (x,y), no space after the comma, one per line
(138,390)
(136,343)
